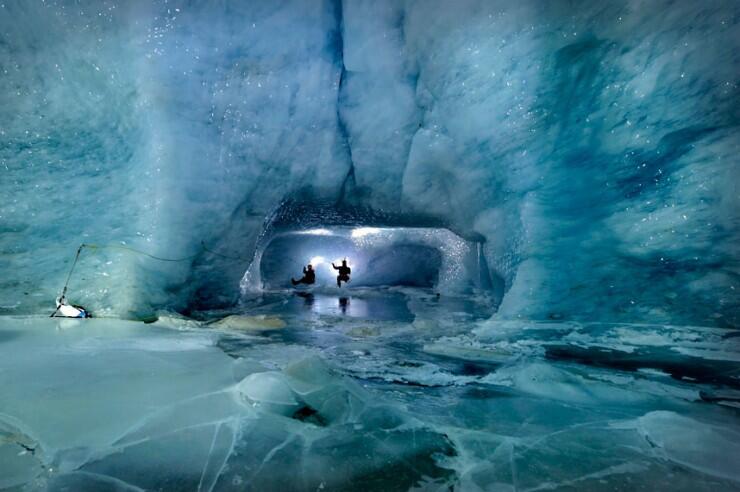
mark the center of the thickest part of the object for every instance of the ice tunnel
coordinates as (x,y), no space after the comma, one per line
(378,256)
(373,264)
(538,202)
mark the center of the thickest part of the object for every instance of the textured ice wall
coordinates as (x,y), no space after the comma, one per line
(160,125)
(71,134)
(593,144)
(245,101)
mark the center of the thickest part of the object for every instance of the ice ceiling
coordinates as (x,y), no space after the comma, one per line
(590,147)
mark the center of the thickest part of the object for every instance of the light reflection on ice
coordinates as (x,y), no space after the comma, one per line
(364,231)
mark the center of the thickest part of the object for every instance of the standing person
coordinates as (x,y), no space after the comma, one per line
(309,276)
(344,272)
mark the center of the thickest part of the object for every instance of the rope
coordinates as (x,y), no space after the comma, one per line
(203,248)
(69,276)
(133,250)
(74,263)
(137,251)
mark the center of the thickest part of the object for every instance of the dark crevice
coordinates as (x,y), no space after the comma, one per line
(349,184)
(697,371)
(309,415)
(413,80)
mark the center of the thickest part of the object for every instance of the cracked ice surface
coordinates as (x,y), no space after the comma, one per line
(441,397)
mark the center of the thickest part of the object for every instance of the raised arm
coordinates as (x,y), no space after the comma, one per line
(334,266)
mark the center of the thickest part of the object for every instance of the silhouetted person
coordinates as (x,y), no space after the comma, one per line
(309,276)
(344,272)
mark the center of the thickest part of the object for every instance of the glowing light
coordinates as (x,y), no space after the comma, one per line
(317,232)
(364,231)
(317,260)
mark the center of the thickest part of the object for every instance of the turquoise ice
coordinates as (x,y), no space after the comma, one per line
(538,201)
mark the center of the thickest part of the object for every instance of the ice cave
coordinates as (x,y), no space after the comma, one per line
(522,221)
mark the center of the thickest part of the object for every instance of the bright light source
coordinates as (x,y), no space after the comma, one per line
(317,232)
(364,231)
(317,260)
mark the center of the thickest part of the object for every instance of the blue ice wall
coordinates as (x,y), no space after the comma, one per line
(593,144)
(159,126)
(71,138)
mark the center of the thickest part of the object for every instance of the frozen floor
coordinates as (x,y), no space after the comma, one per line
(376,390)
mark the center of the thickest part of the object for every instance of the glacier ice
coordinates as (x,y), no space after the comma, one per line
(98,404)
(538,199)
(591,148)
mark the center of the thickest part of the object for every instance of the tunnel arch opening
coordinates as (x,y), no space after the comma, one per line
(389,263)
(427,257)
(384,248)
